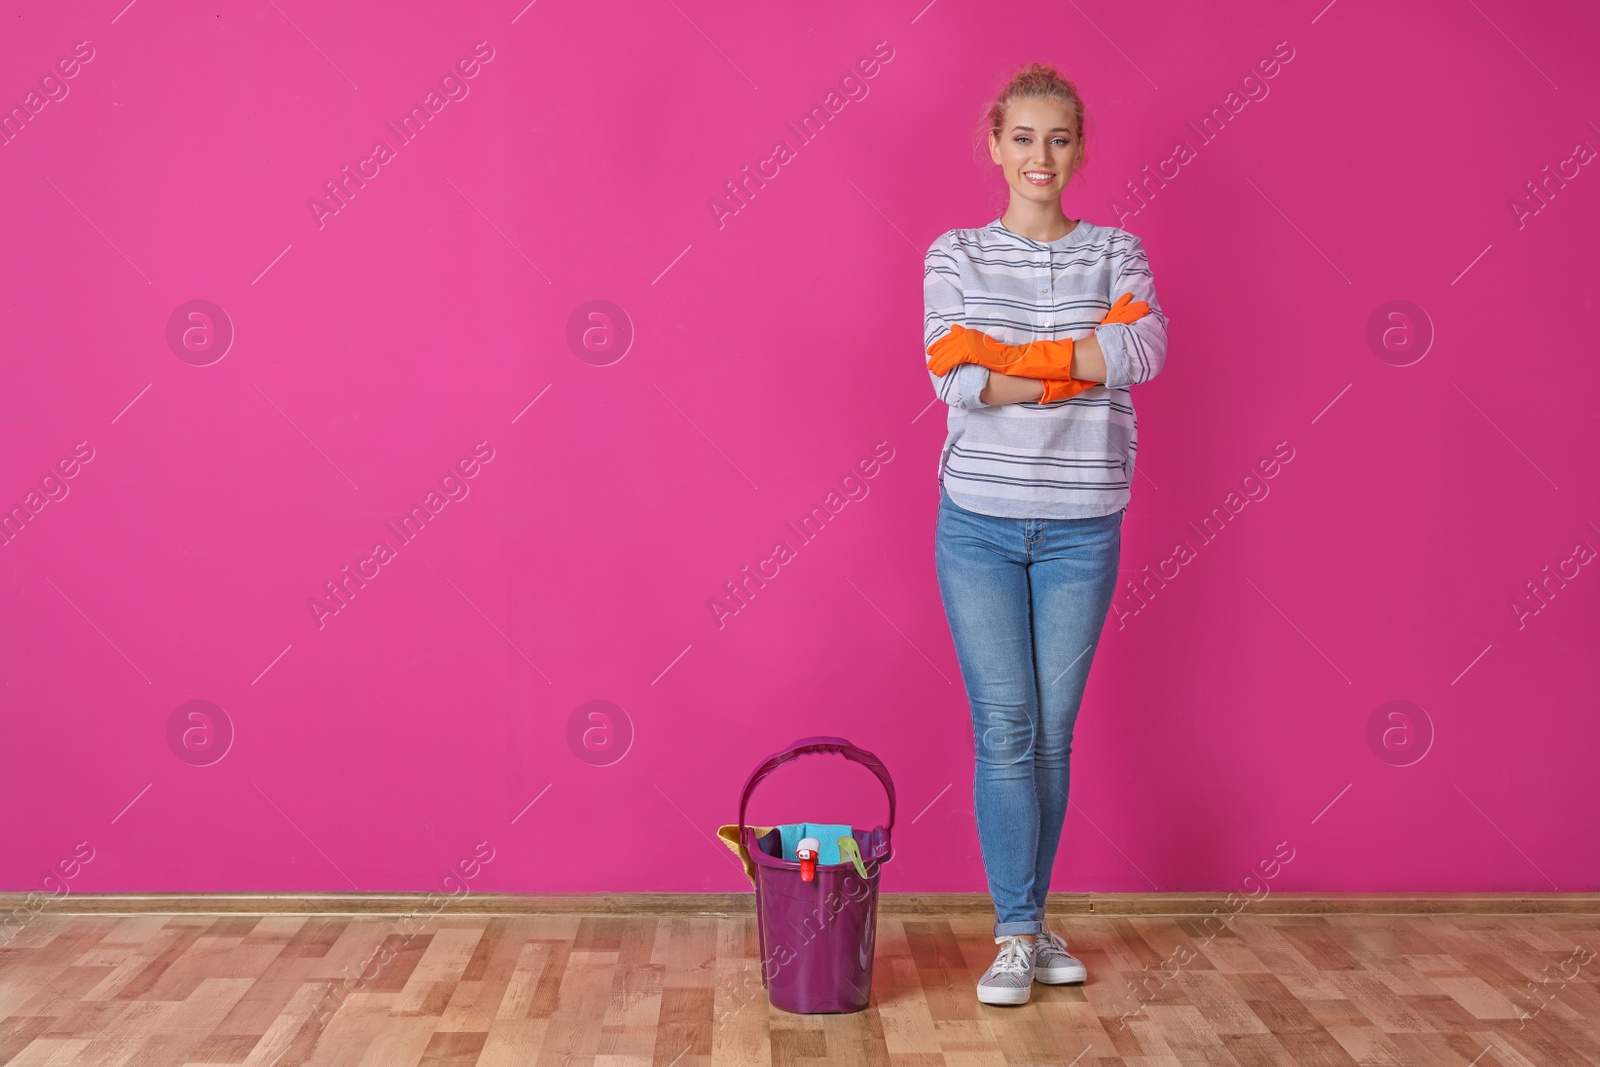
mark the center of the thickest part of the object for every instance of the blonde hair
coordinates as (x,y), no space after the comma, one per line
(1038,81)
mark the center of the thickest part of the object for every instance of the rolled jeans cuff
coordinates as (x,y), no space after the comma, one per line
(1021,926)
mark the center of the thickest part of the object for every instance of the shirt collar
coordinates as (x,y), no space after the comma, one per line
(1078,236)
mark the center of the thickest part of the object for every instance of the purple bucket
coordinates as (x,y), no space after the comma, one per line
(817,937)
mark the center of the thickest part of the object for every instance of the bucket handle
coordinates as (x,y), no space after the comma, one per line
(811,745)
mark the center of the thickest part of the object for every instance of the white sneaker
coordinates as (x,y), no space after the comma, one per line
(1009,979)
(1053,964)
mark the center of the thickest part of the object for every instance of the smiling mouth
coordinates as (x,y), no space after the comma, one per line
(1038,177)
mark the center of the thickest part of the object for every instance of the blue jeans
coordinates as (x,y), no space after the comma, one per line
(1026,600)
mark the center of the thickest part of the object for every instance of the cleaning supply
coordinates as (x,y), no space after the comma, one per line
(1040,358)
(1049,359)
(1061,390)
(817,920)
(831,837)
(852,851)
(826,834)
(806,853)
(729,835)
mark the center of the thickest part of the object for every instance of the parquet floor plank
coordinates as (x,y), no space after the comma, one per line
(613,990)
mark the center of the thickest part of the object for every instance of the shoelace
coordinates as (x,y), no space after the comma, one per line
(1013,957)
(1054,941)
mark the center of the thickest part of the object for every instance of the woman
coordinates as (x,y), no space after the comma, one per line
(1035,327)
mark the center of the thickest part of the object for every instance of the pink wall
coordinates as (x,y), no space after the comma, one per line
(1421,154)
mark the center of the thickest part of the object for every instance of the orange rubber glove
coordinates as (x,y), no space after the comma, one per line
(1126,309)
(1058,389)
(1036,359)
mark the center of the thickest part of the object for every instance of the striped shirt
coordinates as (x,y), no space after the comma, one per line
(1071,459)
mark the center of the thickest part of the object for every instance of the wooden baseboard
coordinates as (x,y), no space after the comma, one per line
(899,905)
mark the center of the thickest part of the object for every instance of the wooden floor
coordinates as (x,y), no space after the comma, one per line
(669,991)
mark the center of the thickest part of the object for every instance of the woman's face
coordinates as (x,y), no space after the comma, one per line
(1038,148)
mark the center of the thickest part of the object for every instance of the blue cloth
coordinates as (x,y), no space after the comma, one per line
(827,835)
(1026,600)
